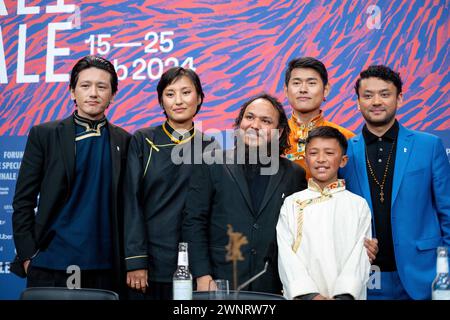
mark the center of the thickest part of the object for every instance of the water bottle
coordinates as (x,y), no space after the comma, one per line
(441,284)
(182,278)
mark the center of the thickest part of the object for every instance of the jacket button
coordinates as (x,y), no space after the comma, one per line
(255,225)
(253,251)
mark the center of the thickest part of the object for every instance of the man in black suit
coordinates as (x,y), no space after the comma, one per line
(248,196)
(74,166)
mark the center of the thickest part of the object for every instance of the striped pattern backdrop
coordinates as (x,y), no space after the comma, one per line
(239,48)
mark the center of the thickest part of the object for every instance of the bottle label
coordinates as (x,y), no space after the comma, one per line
(183,259)
(442,265)
(440,295)
(182,290)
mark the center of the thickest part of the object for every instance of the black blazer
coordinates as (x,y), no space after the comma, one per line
(47,170)
(218,195)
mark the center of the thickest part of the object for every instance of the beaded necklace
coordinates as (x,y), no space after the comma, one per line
(381,185)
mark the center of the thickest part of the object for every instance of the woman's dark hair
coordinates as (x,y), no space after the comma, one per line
(174,74)
(282,119)
(93,62)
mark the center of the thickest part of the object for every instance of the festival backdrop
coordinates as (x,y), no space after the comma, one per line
(238,48)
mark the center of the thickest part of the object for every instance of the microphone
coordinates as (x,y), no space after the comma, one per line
(268,259)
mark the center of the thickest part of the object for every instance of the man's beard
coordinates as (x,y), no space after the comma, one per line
(253,153)
(258,154)
(265,158)
(380,123)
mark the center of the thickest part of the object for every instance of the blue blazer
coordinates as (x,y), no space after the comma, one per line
(420,212)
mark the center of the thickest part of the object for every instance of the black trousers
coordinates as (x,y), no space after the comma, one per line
(95,279)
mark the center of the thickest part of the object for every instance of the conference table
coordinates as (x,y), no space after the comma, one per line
(234,295)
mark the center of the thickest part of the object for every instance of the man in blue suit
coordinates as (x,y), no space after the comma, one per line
(405,177)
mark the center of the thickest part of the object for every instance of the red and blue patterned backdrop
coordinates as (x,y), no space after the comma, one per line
(239,48)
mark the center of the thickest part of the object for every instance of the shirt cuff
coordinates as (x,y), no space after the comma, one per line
(308,296)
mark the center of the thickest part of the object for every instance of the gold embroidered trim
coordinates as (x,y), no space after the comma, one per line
(333,187)
(325,194)
(299,133)
(90,132)
(175,140)
(152,146)
(301,206)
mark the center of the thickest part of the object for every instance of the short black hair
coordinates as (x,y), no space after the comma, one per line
(174,74)
(327,132)
(381,72)
(306,62)
(93,62)
(282,119)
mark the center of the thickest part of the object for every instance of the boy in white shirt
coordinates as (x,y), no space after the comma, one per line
(321,230)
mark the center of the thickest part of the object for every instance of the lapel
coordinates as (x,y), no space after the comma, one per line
(116,153)
(66,137)
(237,173)
(274,181)
(404,149)
(359,156)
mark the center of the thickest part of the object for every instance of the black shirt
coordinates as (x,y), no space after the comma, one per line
(257,183)
(378,151)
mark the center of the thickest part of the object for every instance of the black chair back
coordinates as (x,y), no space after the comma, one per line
(44,293)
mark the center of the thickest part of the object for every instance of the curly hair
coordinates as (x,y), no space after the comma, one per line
(282,119)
